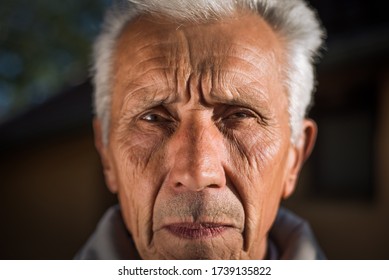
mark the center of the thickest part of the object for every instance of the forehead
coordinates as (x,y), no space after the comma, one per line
(242,49)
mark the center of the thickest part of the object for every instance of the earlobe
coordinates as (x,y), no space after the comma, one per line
(310,133)
(106,161)
(298,154)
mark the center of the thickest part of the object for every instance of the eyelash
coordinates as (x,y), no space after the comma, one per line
(240,114)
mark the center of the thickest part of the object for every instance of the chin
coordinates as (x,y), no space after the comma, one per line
(226,245)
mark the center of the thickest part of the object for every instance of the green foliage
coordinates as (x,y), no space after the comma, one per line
(44,47)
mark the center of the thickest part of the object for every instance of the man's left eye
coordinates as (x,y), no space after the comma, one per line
(240,115)
(153,117)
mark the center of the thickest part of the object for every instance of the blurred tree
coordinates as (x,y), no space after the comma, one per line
(44,47)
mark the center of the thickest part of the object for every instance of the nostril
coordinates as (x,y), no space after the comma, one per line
(214,186)
(195,187)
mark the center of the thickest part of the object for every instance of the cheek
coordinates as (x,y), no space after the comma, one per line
(138,158)
(137,147)
(253,150)
(258,161)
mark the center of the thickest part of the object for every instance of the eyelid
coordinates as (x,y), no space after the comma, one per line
(249,112)
(158,111)
(261,118)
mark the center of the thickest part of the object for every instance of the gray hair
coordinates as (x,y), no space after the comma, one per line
(292,19)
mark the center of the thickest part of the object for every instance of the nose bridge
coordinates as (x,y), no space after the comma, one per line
(198,156)
(201,143)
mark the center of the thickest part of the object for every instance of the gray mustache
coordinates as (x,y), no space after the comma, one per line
(200,204)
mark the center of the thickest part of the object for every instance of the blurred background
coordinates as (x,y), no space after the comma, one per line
(52,191)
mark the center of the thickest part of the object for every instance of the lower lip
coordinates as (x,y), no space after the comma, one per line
(196,231)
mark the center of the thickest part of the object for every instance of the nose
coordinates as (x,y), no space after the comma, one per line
(196,152)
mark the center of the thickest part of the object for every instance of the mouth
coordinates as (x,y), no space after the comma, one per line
(196,230)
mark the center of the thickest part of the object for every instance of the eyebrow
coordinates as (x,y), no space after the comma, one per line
(149,96)
(152,96)
(248,97)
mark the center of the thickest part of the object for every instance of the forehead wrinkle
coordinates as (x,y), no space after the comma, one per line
(258,60)
(159,51)
(151,71)
(161,47)
(159,69)
(152,57)
(173,49)
(148,97)
(181,57)
(158,59)
(224,86)
(151,42)
(236,66)
(237,76)
(148,76)
(246,92)
(241,96)
(252,51)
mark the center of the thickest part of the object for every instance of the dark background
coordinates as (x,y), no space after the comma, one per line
(52,191)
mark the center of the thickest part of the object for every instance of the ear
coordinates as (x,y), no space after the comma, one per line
(105,156)
(298,153)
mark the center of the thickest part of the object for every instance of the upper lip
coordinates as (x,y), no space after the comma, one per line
(198,224)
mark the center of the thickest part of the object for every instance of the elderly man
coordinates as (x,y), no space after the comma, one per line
(200,125)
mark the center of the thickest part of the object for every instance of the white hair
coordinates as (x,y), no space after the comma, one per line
(291,19)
